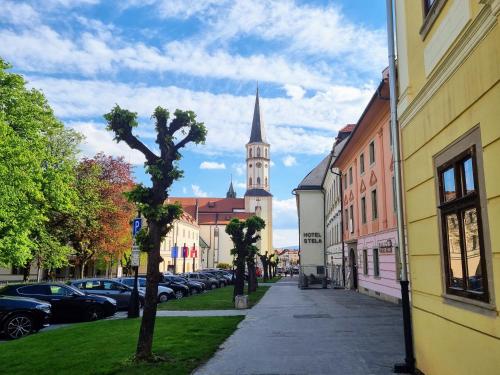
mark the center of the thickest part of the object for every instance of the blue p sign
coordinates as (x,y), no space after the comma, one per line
(136,227)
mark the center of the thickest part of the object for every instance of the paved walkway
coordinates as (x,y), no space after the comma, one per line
(312,332)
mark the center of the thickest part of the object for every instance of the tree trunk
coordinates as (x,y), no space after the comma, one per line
(26,271)
(144,350)
(270,272)
(239,284)
(252,277)
(265,268)
(82,269)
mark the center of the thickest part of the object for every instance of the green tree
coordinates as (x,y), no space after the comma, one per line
(36,175)
(244,235)
(164,170)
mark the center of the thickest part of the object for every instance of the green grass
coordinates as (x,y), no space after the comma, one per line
(273,280)
(217,299)
(106,347)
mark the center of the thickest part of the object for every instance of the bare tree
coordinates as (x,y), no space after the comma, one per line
(163,170)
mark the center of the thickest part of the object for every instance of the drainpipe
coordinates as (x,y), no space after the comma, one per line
(409,365)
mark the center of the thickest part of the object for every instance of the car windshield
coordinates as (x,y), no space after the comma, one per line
(129,282)
(69,289)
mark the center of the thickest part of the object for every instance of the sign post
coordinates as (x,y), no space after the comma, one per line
(135,258)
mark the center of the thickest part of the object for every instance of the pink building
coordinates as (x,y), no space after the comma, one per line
(369,233)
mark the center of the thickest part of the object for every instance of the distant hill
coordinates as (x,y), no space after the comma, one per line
(296,247)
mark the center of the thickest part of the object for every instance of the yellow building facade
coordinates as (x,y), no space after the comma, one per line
(449,118)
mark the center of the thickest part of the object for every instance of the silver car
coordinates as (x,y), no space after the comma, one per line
(164,293)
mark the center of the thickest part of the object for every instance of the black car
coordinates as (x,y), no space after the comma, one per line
(108,288)
(220,279)
(68,303)
(194,286)
(181,290)
(21,316)
(209,281)
(219,275)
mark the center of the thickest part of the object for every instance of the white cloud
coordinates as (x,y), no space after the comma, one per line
(97,139)
(212,165)
(16,13)
(240,168)
(198,192)
(294,91)
(285,237)
(306,126)
(289,161)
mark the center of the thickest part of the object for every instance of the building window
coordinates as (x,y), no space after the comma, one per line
(362,163)
(346,221)
(428,5)
(351,221)
(265,152)
(250,153)
(258,181)
(365,262)
(461,223)
(258,152)
(374,205)
(345,181)
(266,180)
(250,181)
(372,152)
(350,176)
(376,266)
(363,210)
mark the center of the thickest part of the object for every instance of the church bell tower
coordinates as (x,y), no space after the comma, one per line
(258,197)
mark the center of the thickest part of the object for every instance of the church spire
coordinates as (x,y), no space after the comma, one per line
(258,134)
(231,193)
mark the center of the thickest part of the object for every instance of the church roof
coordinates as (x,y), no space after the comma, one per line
(213,205)
(231,193)
(257,134)
(206,218)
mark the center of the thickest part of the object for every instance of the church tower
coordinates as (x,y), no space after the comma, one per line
(258,197)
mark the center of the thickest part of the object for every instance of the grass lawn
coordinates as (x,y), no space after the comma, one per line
(106,347)
(217,299)
(273,280)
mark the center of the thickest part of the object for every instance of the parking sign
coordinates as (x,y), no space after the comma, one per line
(136,227)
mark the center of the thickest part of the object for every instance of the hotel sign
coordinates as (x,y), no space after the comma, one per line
(312,237)
(385,246)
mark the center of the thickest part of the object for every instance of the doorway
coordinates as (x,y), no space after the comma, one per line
(354,268)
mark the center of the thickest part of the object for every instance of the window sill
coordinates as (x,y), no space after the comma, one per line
(470,304)
(431,17)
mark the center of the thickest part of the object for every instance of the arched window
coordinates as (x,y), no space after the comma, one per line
(250,153)
(258,152)
(258,181)
(266,181)
(265,151)
(250,181)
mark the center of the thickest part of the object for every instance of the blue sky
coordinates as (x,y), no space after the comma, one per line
(317,63)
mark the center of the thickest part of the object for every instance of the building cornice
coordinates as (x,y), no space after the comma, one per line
(481,25)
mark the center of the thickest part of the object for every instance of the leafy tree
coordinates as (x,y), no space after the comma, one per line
(244,235)
(164,170)
(36,175)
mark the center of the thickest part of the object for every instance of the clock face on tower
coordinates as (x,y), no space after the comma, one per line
(258,164)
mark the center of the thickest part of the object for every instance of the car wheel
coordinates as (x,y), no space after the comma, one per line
(94,312)
(18,325)
(163,297)
(179,294)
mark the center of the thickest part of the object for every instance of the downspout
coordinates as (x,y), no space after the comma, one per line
(409,365)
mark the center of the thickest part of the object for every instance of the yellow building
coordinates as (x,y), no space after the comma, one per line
(449,118)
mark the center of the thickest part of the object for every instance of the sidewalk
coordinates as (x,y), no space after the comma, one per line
(312,332)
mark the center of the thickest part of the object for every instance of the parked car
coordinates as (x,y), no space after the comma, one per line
(209,282)
(164,293)
(67,302)
(195,287)
(20,316)
(220,278)
(108,288)
(180,290)
(227,277)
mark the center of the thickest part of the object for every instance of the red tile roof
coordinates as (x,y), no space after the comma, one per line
(348,128)
(221,218)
